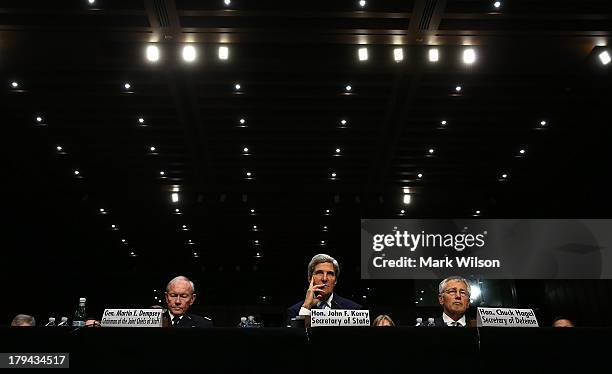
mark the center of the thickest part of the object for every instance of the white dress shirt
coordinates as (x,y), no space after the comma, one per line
(451,322)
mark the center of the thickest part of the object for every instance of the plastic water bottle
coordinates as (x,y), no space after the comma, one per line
(51,322)
(80,315)
(64,322)
(419,322)
(243,322)
(430,322)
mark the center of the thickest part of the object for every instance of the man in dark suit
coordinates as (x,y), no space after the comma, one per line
(180,295)
(323,271)
(454,297)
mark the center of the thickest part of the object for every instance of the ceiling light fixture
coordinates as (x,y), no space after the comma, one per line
(469,56)
(497,4)
(434,55)
(14,84)
(127,86)
(152,54)
(348,87)
(189,53)
(605,58)
(398,54)
(223,53)
(363,54)
(362,3)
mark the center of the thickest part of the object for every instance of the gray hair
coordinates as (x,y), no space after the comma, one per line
(23,320)
(181,278)
(442,285)
(322,258)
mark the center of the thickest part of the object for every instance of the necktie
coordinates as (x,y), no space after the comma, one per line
(176,321)
(323,305)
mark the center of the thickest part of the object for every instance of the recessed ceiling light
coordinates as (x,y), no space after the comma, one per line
(407,199)
(497,4)
(504,175)
(477,212)
(237,86)
(362,3)
(443,122)
(227,2)
(338,150)
(469,56)
(254,227)
(113,226)
(420,175)
(102,210)
(39,119)
(248,173)
(162,173)
(322,241)
(245,149)
(14,84)
(76,172)
(333,175)
(140,120)
(152,149)
(189,53)
(59,148)
(177,210)
(348,87)
(242,121)
(522,151)
(252,210)
(343,122)
(363,54)
(175,197)
(152,53)
(326,210)
(223,53)
(91,2)
(605,58)
(127,86)
(403,211)
(434,55)
(431,151)
(542,123)
(458,88)
(123,240)
(398,54)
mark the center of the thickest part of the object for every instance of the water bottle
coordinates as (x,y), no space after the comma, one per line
(80,315)
(51,322)
(243,322)
(64,322)
(430,322)
(419,322)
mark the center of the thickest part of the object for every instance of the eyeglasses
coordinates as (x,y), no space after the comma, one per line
(453,292)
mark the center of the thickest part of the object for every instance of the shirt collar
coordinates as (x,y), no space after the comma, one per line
(448,320)
(328,301)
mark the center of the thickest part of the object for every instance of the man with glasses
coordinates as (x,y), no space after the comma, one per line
(180,295)
(454,296)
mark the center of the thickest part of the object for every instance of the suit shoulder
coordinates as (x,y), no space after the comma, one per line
(347,303)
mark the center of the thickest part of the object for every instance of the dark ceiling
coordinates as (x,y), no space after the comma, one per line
(536,61)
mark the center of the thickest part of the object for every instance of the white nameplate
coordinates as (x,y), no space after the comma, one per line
(339,317)
(132,318)
(506,317)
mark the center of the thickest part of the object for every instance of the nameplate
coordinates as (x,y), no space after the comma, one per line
(505,317)
(132,318)
(339,317)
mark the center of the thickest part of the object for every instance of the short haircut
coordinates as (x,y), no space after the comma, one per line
(320,259)
(442,284)
(181,278)
(383,317)
(23,320)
